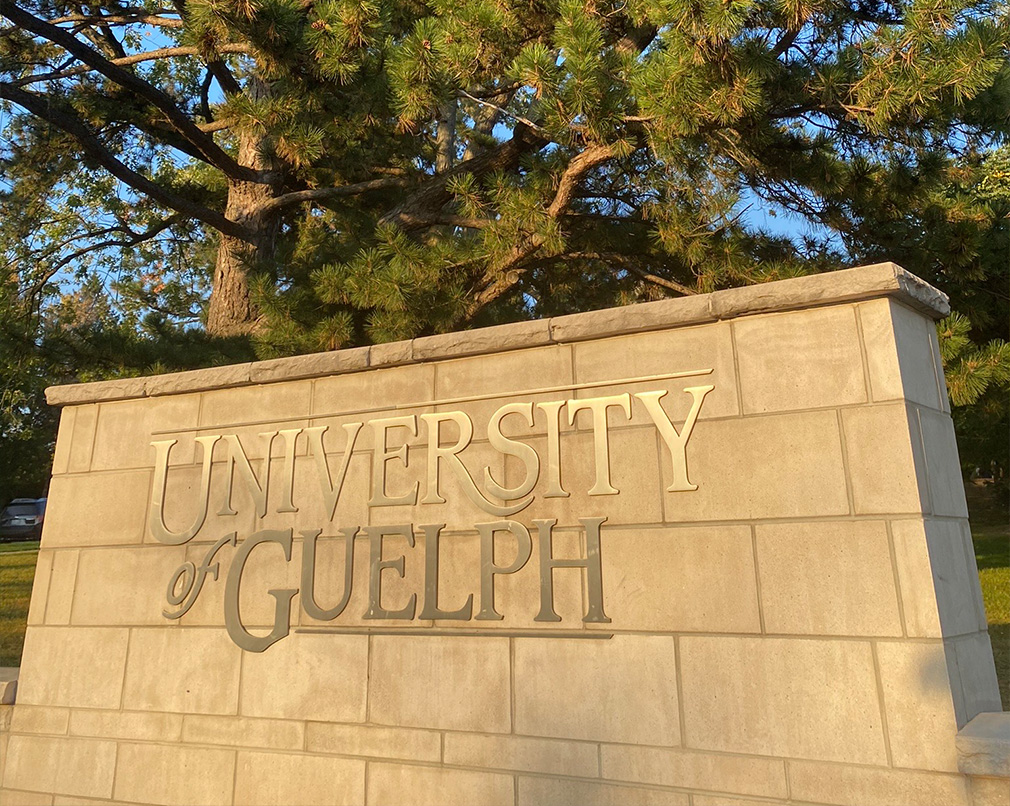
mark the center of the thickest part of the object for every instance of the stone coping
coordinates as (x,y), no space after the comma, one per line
(847,285)
(983,746)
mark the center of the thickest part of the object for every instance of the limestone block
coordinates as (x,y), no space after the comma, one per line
(634,463)
(509,375)
(920,712)
(569,792)
(163,665)
(126,429)
(979,689)
(249,411)
(803,360)
(789,465)
(40,719)
(391,353)
(124,585)
(688,769)
(886,465)
(623,689)
(939,591)
(319,677)
(197,380)
(68,766)
(309,366)
(268,779)
(140,725)
(64,436)
(97,509)
(678,311)
(52,674)
(899,353)
(173,775)
(990,792)
(466,683)
(801,698)
(548,756)
(946,487)
(847,785)
(40,587)
(62,579)
(360,397)
(827,578)
(359,740)
(276,734)
(683,579)
(114,389)
(397,784)
(983,745)
(11,797)
(682,350)
(725,800)
(483,340)
(64,800)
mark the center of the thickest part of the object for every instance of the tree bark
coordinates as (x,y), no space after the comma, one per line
(230,311)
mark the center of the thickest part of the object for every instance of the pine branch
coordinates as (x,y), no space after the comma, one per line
(93,147)
(211,151)
(629,263)
(134,58)
(319,194)
(127,16)
(506,276)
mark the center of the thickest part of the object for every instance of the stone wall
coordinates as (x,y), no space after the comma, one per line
(804,627)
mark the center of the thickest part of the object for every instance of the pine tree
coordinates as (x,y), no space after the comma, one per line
(340,172)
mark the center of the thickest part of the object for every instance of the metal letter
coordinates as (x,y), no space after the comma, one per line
(376,567)
(331,491)
(488,569)
(601,439)
(553,411)
(437,452)
(159,530)
(382,454)
(237,457)
(503,444)
(592,564)
(676,442)
(282,610)
(309,574)
(290,436)
(430,609)
(193,579)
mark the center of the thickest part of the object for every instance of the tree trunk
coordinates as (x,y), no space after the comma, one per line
(231,311)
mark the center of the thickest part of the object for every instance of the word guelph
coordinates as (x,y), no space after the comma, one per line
(187,582)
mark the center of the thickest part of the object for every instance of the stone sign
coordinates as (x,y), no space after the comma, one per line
(703,551)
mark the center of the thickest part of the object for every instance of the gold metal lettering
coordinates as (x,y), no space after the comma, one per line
(511,447)
(676,441)
(377,565)
(601,435)
(592,564)
(159,529)
(451,453)
(331,491)
(192,579)
(309,605)
(488,569)
(282,609)
(290,437)
(431,609)
(552,409)
(382,454)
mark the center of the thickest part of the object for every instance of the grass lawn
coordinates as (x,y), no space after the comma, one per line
(992,551)
(17,569)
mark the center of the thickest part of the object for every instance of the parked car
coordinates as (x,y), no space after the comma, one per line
(22,519)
